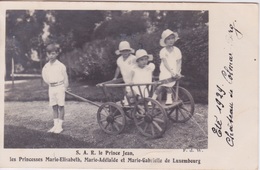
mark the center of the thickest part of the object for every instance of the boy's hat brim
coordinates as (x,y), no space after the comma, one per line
(166,34)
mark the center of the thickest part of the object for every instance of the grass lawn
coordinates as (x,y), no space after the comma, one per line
(28,117)
(35,90)
(27,123)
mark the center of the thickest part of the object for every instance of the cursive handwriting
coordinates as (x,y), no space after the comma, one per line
(230,132)
(219,95)
(224,123)
(227,73)
(233,29)
(217,128)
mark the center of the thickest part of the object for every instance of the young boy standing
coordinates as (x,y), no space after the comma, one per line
(55,75)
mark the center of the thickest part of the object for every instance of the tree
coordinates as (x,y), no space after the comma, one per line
(121,24)
(74,28)
(22,27)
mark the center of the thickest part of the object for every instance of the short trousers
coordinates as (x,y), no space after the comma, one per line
(57,95)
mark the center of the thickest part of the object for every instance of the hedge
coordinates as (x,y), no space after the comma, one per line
(96,61)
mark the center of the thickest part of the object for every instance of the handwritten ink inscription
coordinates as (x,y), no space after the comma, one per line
(233,29)
(223,125)
(227,73)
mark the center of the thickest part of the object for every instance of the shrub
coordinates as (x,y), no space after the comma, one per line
(96,61)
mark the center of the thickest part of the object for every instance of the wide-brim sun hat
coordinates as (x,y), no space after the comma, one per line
(167,33)
(124,45)
(141,53)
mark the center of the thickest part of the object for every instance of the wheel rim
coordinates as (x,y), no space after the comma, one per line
(111,118)
(185,110)
(151,121)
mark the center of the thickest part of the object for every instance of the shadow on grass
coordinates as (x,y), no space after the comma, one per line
(21,137)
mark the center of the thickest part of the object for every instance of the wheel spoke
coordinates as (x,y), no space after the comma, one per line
(187,111)
(114,112)
(120,123)
(140,109)
(146,125)
(158,120)
(118,116)
(111,127)
(103,120)
(139,123)
(157,126)
(152,128)
(177,114)
(184,109)
(105,109)
(186,102)
(158,113)
(140,115)
(117,128)
(182,113)
(103,115)
(106,125)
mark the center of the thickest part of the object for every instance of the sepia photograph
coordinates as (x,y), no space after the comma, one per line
(129,85)
(101,57)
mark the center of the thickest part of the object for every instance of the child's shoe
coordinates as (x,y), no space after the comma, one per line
(58,130)
(59,127)
(54,127)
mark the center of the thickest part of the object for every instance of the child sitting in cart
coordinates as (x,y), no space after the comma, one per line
(141,74)
(125,63)
(170,63)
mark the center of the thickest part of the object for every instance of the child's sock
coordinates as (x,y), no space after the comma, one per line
(154,96)
(125,101)
(59,126)
(169,98)
(55,125)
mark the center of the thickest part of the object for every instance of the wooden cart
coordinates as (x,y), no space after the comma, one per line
(150,116)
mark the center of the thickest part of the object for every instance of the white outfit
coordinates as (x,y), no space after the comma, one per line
(171,58)
(54,75)
(126,67)
(143,76)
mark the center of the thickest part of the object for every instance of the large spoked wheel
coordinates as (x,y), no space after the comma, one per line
(150,119)
(185,109)
(111,118)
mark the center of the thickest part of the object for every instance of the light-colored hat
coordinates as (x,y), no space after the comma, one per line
(124,45)
(167,33)
(141,53)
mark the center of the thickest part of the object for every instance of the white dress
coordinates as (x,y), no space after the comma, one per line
(143,76)
(126,67)
(171,58)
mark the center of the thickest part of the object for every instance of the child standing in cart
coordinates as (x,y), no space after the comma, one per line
(142,73)
(125,64)
(55,75)
(170,56)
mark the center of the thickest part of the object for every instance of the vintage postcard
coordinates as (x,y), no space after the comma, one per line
(135,85)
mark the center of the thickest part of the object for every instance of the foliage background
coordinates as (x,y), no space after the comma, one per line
(88,40)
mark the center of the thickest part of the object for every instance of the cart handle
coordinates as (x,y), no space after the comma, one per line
(123,84)
(112,83)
